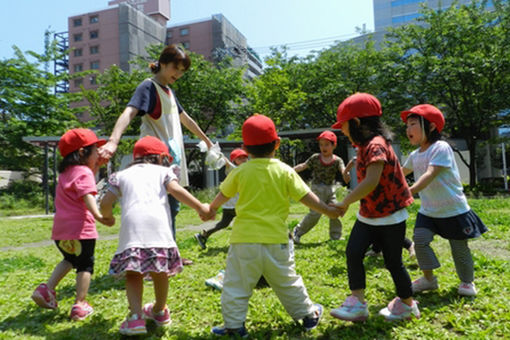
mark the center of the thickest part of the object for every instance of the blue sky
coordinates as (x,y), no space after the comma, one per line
(303,25)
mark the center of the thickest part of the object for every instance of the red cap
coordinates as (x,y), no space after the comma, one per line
(427,111)
(75,139)
(150,145)
(258,130)
(328,135)
(358,105)
(236,153)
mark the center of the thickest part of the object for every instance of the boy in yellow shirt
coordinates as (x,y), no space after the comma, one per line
(259,242)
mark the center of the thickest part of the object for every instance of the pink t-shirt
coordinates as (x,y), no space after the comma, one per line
(73,221)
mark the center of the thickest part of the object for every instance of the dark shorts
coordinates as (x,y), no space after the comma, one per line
(460,227)
(80,253)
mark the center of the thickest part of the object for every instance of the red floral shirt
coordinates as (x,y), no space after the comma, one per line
(392,193)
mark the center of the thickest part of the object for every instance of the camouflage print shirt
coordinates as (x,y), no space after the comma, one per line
(323,173)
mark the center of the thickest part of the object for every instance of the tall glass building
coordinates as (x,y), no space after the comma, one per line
(393,13)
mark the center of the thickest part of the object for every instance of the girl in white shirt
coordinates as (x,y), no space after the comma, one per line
(444,209)
(146,244)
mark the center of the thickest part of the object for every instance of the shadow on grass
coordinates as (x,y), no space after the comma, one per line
(213,251)
(33,321)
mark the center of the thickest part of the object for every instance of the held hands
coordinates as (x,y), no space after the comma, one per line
(206,213)
(332,212)
(106,152)
(341,207)
(107,220)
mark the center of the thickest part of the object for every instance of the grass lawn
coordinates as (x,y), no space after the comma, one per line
(195,308)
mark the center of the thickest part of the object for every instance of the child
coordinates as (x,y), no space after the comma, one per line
(74,227)
(383,194)
(237,157)
(146,244)
(444,209)
(324,166)
(260,239)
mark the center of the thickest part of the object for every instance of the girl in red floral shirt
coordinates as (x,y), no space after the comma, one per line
(384,195)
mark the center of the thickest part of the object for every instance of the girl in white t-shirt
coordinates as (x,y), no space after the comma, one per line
(444,209)
(146,244)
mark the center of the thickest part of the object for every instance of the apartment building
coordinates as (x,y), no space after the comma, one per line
(216,38)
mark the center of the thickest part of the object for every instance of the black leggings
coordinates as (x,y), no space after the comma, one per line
(390,238)
(407,244)
(226,218)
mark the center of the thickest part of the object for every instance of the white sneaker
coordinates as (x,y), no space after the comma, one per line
(351,310)
(397,310)
(467,289)
(423,284)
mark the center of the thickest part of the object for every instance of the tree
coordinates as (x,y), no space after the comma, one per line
(29,107)
(458,60)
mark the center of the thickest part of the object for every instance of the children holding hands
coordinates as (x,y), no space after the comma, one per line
(147,246)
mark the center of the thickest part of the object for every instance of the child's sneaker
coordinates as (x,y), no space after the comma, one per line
(161,318)
(311,321)
(351,310)
(133,325)
(423,284)
(217,281)
(295,237)
(397,310)
(201,240)
(222,331)
(412,252)
(80,311)
(45,297)
(467,289)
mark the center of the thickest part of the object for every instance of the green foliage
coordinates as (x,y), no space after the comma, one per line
(457,59)
(28,107)
(195,308)
(22,195)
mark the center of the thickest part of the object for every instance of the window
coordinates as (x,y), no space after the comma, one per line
(94,34)
(78,82)
(184,31)
(94,49)
(78,67)
(93,80)
(77,22)
(169,34)
(94,19)
(78,52)
(185,44)
(94,65)
(78,37)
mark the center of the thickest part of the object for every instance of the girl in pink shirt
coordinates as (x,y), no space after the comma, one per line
(74,227)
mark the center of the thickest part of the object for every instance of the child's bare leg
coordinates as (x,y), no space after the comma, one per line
(59,273)
(134,291)
(160,281)
(82,285)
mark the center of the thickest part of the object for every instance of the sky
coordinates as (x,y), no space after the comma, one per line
(302,25)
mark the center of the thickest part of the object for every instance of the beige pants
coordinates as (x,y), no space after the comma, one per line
(246,262)
(326,193)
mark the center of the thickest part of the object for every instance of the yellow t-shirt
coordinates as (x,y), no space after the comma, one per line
(264,186)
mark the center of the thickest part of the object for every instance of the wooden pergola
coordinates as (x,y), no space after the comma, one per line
(51,142)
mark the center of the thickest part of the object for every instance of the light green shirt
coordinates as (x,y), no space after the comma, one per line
(264,186)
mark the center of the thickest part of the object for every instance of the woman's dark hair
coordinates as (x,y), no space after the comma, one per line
(432,136)
(368,128)
(74,158)
(262,150)
(171,54)
(151,159)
